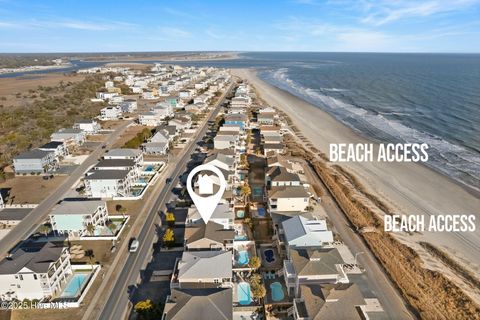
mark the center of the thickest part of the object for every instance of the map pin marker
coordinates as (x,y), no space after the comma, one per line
(206,205)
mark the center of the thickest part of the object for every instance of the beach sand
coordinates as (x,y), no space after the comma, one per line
(408,188)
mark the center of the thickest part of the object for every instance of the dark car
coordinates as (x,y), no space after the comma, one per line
(168,181)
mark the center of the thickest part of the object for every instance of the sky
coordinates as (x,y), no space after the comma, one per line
(282,25)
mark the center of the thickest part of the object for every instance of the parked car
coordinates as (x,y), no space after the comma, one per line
(133,245)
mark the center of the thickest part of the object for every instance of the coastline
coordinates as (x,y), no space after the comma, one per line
(408,188)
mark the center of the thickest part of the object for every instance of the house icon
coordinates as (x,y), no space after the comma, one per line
(205,184)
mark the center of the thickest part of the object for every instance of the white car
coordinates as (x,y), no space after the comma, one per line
(134,245)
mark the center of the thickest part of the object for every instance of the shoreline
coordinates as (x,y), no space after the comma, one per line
(409,188)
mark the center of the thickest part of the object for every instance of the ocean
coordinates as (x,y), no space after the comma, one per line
(386,97)
(414,98)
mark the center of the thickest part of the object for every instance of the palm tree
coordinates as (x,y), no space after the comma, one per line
(90,228)
(45,229)
(245,191)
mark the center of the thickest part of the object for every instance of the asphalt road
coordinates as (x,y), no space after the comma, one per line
(37,216)
(117,303)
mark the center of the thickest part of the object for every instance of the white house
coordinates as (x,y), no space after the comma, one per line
(58,147)
(301,232)
(34,161)
(225,141)
(181,123)
(133,154)
(222,215)
(34,271)
(111,113)
(288,199)
(71,137)
(149,118)
(87,126)
(129,105)
(107,183)
(73,217)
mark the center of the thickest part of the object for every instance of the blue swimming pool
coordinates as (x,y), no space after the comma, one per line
(240,237)
(243,258)
(244,293)
(257,191)
(269,255)
(261,212)
(277,291)
(149,168)
(75,285)
(240,214)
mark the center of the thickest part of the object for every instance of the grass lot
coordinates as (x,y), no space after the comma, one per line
(128,134)
(30,189)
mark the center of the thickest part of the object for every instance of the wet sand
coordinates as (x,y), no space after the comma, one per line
(408,188)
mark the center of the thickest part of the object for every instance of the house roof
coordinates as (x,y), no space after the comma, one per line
(170,129)
(37,258)
(315,261)
(109,163)
(160,145)
(212,231)
(123,153)
(107,175)
(225,138)
(279,173)
(13,214)
(228,160)
(205,264)
(288,192)
(274,146)
(186,304)
(80,206)
(33,154)
(85,121)
(329,301)
(51,145)
(68,131)
(309,232)
(222,211)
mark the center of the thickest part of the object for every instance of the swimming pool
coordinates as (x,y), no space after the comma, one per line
(261,212)
(149,168)
(240,237)
(243,257)
(269,256)
(240,214)
(257,191)
(75,285)
(244,293)
(277,291)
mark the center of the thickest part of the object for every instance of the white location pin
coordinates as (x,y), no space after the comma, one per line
(206,205)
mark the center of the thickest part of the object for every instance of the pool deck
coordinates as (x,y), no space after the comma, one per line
(268,297)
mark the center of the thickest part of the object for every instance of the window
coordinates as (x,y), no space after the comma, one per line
(35,277)
(21,277)
(216,280)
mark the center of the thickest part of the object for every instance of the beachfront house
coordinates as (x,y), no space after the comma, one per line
(300,232)
(34,271)
(128,106)
(331,301)
(34,161)
(279,177)
(203,269)
(149,118)
(132,154)
(288,199)
(87,126)
(222,215)
(235,118)
(107,183)
(181,123)
(72,217)
(225,141)
(205,303)
(312,266)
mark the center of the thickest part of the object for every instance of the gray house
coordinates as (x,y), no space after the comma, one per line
(213,304)
(34,161)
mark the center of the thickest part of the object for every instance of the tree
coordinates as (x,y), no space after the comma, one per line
(255,279)
(45,229)
(121,209)
(258,291)
(170,218)
(309,208)
(89,253)
(144,307)
(90,228)
(169,238)
(254,262)
(245,191)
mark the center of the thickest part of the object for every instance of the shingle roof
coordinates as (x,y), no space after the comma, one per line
(288,192)
(78,207)
(205,264)
(37,258)
(315,261)
(51,145)
(33,154)
(108,163)
(212,231)
(279,173)
(212,304)
(107,175)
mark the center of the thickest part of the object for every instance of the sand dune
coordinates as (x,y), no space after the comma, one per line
(409,188)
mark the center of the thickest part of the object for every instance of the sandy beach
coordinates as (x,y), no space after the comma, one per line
(409,188)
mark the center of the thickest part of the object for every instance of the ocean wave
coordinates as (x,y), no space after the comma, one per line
(451,159)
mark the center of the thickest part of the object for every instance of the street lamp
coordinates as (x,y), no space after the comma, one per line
(356,254)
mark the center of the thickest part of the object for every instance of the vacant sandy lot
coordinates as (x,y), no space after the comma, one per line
(128,134)
(30,189)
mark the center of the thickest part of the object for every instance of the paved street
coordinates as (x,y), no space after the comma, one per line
(117,303)
(31,222)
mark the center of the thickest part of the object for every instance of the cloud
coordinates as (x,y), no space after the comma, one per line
(174,32)
(382,12)
(67,24)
